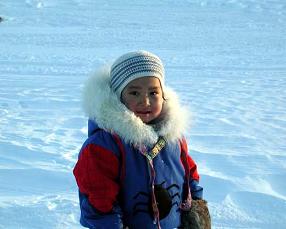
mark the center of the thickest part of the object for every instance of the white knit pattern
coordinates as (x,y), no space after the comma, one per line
(134,65)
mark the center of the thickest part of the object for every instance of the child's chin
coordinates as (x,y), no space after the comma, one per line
(146,120)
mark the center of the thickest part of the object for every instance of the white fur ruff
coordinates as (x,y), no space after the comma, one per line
(102,105)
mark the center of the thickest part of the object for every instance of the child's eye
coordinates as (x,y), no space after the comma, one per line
(135,93)
(154,93)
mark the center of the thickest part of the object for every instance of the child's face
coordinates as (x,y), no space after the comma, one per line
(144,97)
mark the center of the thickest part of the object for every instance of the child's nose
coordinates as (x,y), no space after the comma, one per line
(146,100)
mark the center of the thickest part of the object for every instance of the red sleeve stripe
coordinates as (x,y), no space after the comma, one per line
(192,167)
(96,173)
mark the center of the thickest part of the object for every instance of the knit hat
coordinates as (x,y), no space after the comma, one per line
(134,65)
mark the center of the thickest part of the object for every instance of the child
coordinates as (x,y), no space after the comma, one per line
(134,170)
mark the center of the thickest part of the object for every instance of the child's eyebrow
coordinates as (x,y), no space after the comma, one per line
(153,88)
(134,87)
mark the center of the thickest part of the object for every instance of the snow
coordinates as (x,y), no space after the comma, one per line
(226,59)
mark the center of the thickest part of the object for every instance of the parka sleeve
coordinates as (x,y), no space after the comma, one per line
(196,189)
(97,176)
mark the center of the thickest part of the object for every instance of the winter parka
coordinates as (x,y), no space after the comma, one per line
(113,175)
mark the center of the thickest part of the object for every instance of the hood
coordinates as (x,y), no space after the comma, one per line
(104,109)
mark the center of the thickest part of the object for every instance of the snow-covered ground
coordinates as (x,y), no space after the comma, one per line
(226,59)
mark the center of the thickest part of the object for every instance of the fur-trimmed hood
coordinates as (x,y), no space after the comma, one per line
(102,106)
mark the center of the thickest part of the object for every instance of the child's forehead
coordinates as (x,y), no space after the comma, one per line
(149,80)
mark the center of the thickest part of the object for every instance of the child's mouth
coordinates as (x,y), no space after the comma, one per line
(143,112)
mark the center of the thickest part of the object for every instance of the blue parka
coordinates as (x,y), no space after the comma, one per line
(113,175)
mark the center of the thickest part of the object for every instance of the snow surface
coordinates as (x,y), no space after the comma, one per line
(226,59)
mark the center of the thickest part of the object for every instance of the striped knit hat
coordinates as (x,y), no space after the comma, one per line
(134,65)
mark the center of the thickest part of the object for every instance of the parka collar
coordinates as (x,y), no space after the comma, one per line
(103,107)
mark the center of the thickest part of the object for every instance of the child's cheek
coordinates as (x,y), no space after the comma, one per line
(130,106)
